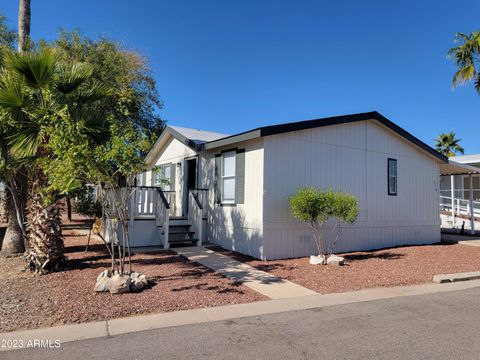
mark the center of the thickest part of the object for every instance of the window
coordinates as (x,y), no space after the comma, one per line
(141,179)
(392,177)
(228,177)
(162,177)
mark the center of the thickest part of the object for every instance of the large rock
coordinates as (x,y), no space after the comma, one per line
(335,260)
(318,260)
(138,282)
(103,281)
(119,284)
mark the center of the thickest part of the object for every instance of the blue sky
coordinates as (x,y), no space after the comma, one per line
(229,66)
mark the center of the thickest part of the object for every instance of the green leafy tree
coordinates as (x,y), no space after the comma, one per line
(448,144)
(317,207)
(134,103)
(466,57)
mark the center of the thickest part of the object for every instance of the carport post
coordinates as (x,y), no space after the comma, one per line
(452,187)
(472,212)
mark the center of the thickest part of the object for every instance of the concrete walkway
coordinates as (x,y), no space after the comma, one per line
(260,281)
(132,324)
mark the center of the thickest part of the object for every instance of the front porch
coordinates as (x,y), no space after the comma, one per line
(157,221)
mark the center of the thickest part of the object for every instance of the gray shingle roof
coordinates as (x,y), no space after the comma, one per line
(198,136)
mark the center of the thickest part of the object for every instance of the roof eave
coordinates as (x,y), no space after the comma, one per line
(152,154)
(229,140)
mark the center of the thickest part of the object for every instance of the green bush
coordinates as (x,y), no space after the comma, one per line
(316,207)
(86,203)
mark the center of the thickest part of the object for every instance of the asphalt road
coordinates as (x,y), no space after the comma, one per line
(439,326)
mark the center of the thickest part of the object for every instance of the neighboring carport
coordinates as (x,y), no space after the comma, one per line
(452,168)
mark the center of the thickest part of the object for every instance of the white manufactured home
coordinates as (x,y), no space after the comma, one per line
(233,190)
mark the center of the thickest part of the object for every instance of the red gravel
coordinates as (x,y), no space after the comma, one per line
(389,267)
(28,301)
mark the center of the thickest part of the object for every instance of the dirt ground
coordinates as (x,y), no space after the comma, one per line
(32,301)
(389,267)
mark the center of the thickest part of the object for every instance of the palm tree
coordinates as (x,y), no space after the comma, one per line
(24,19)
(466,58)
(448,144)
(42,101)
(14,241)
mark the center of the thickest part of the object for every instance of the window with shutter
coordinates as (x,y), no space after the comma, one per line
(229,185)
(228,177)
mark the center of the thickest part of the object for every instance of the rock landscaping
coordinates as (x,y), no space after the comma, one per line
(407,265)
(174,283)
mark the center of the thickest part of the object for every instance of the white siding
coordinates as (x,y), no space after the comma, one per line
(352,158)
(239,227)
(174,152)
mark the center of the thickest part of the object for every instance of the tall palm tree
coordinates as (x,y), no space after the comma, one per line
(14,241)
(448,144)
(40,100)
(466,58)
(24,19)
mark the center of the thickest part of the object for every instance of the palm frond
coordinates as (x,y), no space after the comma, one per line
(71,78)
(464,75)
(25,143)
(37,68)
(94,93)
(11,92)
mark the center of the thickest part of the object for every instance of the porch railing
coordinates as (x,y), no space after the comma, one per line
(162,215)
(196,214)
(145,198)
(202,197)
(460,206)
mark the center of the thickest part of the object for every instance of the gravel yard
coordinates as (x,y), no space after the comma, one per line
(389,267)
(29,301)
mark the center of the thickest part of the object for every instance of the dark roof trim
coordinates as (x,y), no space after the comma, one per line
(309,124)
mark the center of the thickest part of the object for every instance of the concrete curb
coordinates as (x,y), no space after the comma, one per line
(446,278)
(107,328)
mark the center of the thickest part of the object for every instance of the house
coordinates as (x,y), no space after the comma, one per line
(233,190)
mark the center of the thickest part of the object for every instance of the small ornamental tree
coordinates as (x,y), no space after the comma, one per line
(317,207)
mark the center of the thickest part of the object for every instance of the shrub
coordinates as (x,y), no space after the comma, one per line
(317,207)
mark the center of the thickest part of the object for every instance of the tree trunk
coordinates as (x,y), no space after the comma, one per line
(45,240)
(4,205)
(24,18)
(13,241)
(69,208)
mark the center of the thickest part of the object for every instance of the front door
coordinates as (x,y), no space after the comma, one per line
(190,182)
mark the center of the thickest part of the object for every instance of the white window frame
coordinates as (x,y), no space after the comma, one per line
(224,177)
(159,170)
(141,179)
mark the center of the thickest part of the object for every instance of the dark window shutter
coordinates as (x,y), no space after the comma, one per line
(240,177)
(173,170)
(216,184)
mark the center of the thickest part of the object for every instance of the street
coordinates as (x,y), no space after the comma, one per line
(438,326)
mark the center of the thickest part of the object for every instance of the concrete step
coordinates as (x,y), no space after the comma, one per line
(186,242)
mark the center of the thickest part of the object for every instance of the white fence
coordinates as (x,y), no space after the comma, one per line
(460,206)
